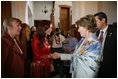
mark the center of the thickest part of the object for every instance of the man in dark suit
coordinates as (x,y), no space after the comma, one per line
(107,34)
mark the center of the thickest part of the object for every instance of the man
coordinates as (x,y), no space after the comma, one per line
(107,34)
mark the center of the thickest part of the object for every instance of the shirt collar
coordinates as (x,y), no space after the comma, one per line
(105,29)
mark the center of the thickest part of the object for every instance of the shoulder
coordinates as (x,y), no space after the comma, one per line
(35,40)
(112,28)
(61,36)
(94,40)
(96,45)
(79,43)
(6,39)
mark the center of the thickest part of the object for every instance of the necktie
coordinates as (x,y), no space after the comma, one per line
(101,36)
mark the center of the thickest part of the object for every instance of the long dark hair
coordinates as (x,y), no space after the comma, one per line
(41,32)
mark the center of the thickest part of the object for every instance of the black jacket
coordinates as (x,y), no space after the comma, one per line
(108,67)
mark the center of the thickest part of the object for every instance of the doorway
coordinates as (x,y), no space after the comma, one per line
(65,17)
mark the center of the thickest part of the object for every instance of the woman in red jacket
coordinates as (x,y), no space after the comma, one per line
(41,66)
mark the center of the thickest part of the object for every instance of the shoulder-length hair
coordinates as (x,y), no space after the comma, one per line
(41,31)
(88,22)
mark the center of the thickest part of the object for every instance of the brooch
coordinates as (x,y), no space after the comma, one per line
(110,34)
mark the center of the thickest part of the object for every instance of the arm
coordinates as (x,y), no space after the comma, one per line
(66,56)
(62,56)
(4,54)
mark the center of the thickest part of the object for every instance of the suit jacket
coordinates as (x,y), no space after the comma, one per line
(12,61)
(108,67)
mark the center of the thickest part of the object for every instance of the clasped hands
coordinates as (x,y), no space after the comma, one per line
(56,55)
(53,56)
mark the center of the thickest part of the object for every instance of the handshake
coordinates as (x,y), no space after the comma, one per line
(53,56)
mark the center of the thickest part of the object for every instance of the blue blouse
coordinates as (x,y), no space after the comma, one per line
(71,44)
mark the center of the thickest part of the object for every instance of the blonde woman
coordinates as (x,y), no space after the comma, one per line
(85,59)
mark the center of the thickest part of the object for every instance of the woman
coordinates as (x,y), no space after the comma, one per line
(12,57)
(41,67)
(85,59)
(69,49)
(72,41)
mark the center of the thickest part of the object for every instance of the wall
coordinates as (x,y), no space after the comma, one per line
(75,11)
(110,8)
(92,7)
(39,6)
(82,8)
(24,11)
(19,10)
(14,6)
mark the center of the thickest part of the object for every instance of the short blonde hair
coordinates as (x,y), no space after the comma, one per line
(8,22)
(88,22)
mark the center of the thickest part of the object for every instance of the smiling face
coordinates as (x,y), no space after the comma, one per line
(83,31)
(15,28)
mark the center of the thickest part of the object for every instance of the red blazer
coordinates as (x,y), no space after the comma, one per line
(12,61)
(39,52)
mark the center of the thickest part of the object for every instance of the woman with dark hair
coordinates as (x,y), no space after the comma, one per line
(41,65)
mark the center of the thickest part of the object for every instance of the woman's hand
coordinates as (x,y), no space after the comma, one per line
(53,56)
(51,68)
(56,55)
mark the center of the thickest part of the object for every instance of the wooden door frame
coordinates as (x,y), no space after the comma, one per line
(69,7)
